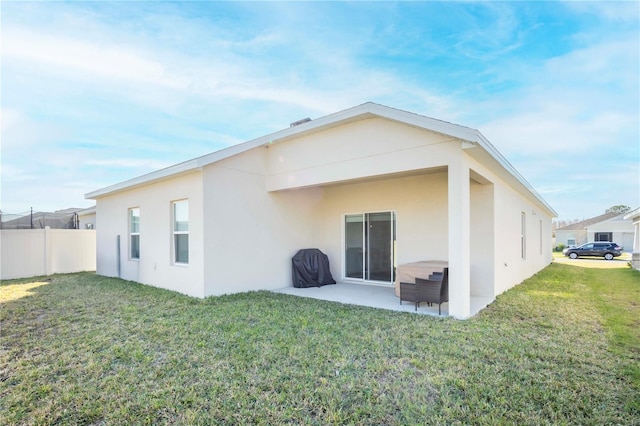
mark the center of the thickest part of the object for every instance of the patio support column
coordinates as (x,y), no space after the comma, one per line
(459,239)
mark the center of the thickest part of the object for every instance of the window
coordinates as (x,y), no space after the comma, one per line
(523,235)
(134,233)
(181,231)
(603,236)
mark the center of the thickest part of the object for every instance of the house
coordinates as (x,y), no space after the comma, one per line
(611,227)
(634,217)
(60,219)
(87,218)
(373,187)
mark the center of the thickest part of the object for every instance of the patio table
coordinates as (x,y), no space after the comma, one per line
(408,272)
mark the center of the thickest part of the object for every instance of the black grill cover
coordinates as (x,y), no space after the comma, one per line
(310,268)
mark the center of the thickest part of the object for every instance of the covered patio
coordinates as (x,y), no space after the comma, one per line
(375,296)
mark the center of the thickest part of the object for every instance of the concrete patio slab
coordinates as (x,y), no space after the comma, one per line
(381,297)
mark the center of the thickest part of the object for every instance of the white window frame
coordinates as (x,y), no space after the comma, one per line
(175,232)
(394,260)
(134,233)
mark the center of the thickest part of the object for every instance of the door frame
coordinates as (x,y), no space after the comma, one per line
(393,244)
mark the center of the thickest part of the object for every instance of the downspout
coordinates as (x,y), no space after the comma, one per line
(118,253)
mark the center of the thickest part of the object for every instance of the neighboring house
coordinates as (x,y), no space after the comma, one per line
(371,186)
(634,217)
(611,227)
(60,219)
(87,218)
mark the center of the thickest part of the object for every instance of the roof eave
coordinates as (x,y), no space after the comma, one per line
(484,143)
(632,214)
(360,112)
(158,175)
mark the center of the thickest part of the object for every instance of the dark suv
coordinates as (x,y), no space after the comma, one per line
(606,250)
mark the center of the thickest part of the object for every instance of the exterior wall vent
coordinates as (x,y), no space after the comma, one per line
(297,123)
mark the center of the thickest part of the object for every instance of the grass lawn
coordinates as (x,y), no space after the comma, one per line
(561,348)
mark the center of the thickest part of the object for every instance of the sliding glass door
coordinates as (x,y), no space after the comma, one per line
(369,246)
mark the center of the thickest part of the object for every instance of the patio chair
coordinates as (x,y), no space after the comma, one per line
(436,276)
(427,290)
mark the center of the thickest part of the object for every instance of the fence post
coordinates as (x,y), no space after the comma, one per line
(47,250)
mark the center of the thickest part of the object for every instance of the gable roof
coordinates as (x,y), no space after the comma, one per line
(633,214)
(579,226)
(360,112)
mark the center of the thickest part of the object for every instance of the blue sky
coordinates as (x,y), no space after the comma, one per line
(94,93)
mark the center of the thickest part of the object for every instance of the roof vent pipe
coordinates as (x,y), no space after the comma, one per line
(297,123)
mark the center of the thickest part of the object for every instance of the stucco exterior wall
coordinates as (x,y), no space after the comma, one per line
(420,203)
(371,147)
(155,266)
(483,250)
(250,234)
(87,221)
(503,234)
(511,268)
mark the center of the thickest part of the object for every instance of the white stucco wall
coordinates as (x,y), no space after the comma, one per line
(420,203)
(511,269)
(155,266)
(483,250)
(87,221)
(250,234)
(371,147)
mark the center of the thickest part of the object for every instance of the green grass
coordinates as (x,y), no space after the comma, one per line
(561,348)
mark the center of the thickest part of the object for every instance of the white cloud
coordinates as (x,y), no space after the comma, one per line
(574,102)
(12,174)
(91,60)
(162,86)
(609,61)
(9,118)
(24,134)
(616,11)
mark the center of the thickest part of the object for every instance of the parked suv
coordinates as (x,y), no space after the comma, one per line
(606,250)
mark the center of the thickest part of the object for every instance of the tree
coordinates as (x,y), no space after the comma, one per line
(618,209)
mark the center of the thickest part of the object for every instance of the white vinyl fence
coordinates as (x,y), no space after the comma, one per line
(33,252)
